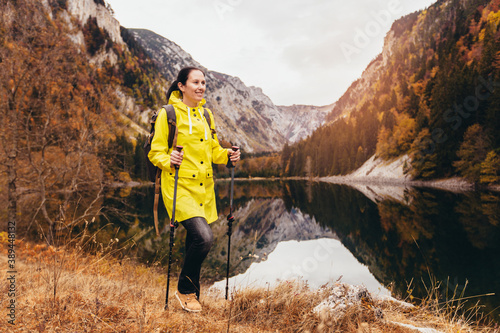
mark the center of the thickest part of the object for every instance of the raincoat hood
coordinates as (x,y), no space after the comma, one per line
(176,100)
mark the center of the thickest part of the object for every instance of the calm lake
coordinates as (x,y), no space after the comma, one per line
(390,239)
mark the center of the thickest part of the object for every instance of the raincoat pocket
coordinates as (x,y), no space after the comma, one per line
(189,174)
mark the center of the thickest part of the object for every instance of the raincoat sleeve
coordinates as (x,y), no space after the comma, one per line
(219,154)
(159,154)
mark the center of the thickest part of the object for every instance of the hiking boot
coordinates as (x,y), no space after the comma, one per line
(188,302)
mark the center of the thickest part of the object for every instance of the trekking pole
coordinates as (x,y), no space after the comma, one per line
(173,225)
(230,219)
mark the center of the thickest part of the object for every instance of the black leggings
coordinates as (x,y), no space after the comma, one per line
(199,240)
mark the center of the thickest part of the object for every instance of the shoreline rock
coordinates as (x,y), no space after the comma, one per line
(378,172)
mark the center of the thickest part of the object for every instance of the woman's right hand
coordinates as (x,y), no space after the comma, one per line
(176,158)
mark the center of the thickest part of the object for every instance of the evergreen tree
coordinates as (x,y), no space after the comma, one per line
(492,117)
(490,47)
(422,156)
(490,169)
(472,153)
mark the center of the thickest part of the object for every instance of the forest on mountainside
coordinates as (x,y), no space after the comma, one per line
(437,100)
(63,136)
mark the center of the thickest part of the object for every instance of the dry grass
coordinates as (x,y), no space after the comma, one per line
(67,290)
(450,310)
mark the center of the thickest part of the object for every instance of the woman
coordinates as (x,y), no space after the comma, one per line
(195,206)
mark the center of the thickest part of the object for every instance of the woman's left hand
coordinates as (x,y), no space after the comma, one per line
(234,156)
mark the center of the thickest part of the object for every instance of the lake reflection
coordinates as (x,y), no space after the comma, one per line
(317,262)
(390,236)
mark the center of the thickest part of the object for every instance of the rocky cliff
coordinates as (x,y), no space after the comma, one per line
(362,88)
(293,125)
(83,9)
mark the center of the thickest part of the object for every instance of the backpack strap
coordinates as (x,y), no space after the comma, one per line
(172,125)
(157,199)
(209,121)
(172,140)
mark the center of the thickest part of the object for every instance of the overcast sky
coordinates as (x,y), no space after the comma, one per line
(297,51)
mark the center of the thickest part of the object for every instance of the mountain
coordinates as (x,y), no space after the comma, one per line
(245,115)
(431,94)
(293,126)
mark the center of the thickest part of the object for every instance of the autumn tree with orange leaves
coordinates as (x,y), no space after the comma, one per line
(53,119)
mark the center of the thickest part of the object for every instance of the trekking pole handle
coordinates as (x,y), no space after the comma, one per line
(230,164)
(179,149)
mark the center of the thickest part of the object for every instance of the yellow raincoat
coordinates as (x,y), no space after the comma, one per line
(195,188)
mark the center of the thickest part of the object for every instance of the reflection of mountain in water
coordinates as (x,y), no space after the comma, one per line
(259,226)
(452,237)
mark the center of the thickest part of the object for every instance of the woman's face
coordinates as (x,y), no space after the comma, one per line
(194,89)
